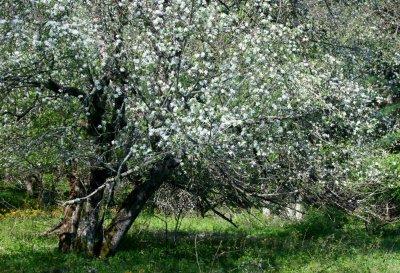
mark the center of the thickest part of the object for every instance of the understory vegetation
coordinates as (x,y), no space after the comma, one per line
(321,242)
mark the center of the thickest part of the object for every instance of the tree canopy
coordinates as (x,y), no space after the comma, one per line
(238,103)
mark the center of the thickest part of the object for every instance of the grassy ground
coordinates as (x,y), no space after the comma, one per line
(207,245)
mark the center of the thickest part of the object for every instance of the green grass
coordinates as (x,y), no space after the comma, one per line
(258,245)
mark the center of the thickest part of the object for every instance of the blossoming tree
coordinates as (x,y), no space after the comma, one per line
(222,101)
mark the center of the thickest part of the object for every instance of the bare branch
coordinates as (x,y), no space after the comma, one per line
(108,181)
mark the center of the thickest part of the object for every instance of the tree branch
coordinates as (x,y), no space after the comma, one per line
(58,88)
(108,181)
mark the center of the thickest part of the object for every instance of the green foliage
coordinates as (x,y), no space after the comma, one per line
(319,223)
(12,198)
(390,141)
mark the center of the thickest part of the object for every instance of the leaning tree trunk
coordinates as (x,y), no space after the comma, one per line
(133,205)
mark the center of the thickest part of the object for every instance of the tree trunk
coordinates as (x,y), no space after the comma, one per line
(133,205)
(33,185)
(90,230)
(82,228)
(67,230)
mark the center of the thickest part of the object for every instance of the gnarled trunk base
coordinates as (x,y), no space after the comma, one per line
(69,225)
(82,229)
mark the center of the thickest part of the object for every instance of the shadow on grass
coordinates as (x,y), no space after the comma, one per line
(268,249)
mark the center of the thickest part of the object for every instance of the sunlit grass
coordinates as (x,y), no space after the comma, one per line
(208,244)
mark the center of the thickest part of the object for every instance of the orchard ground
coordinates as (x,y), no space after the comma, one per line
(322,242)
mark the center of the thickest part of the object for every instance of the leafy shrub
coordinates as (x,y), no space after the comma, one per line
(318,222)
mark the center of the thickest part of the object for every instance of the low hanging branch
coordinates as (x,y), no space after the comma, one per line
(108,181)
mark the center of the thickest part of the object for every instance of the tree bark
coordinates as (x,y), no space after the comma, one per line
(67,230)
(133,205)
(82,228)
(33,185)
(90,231)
